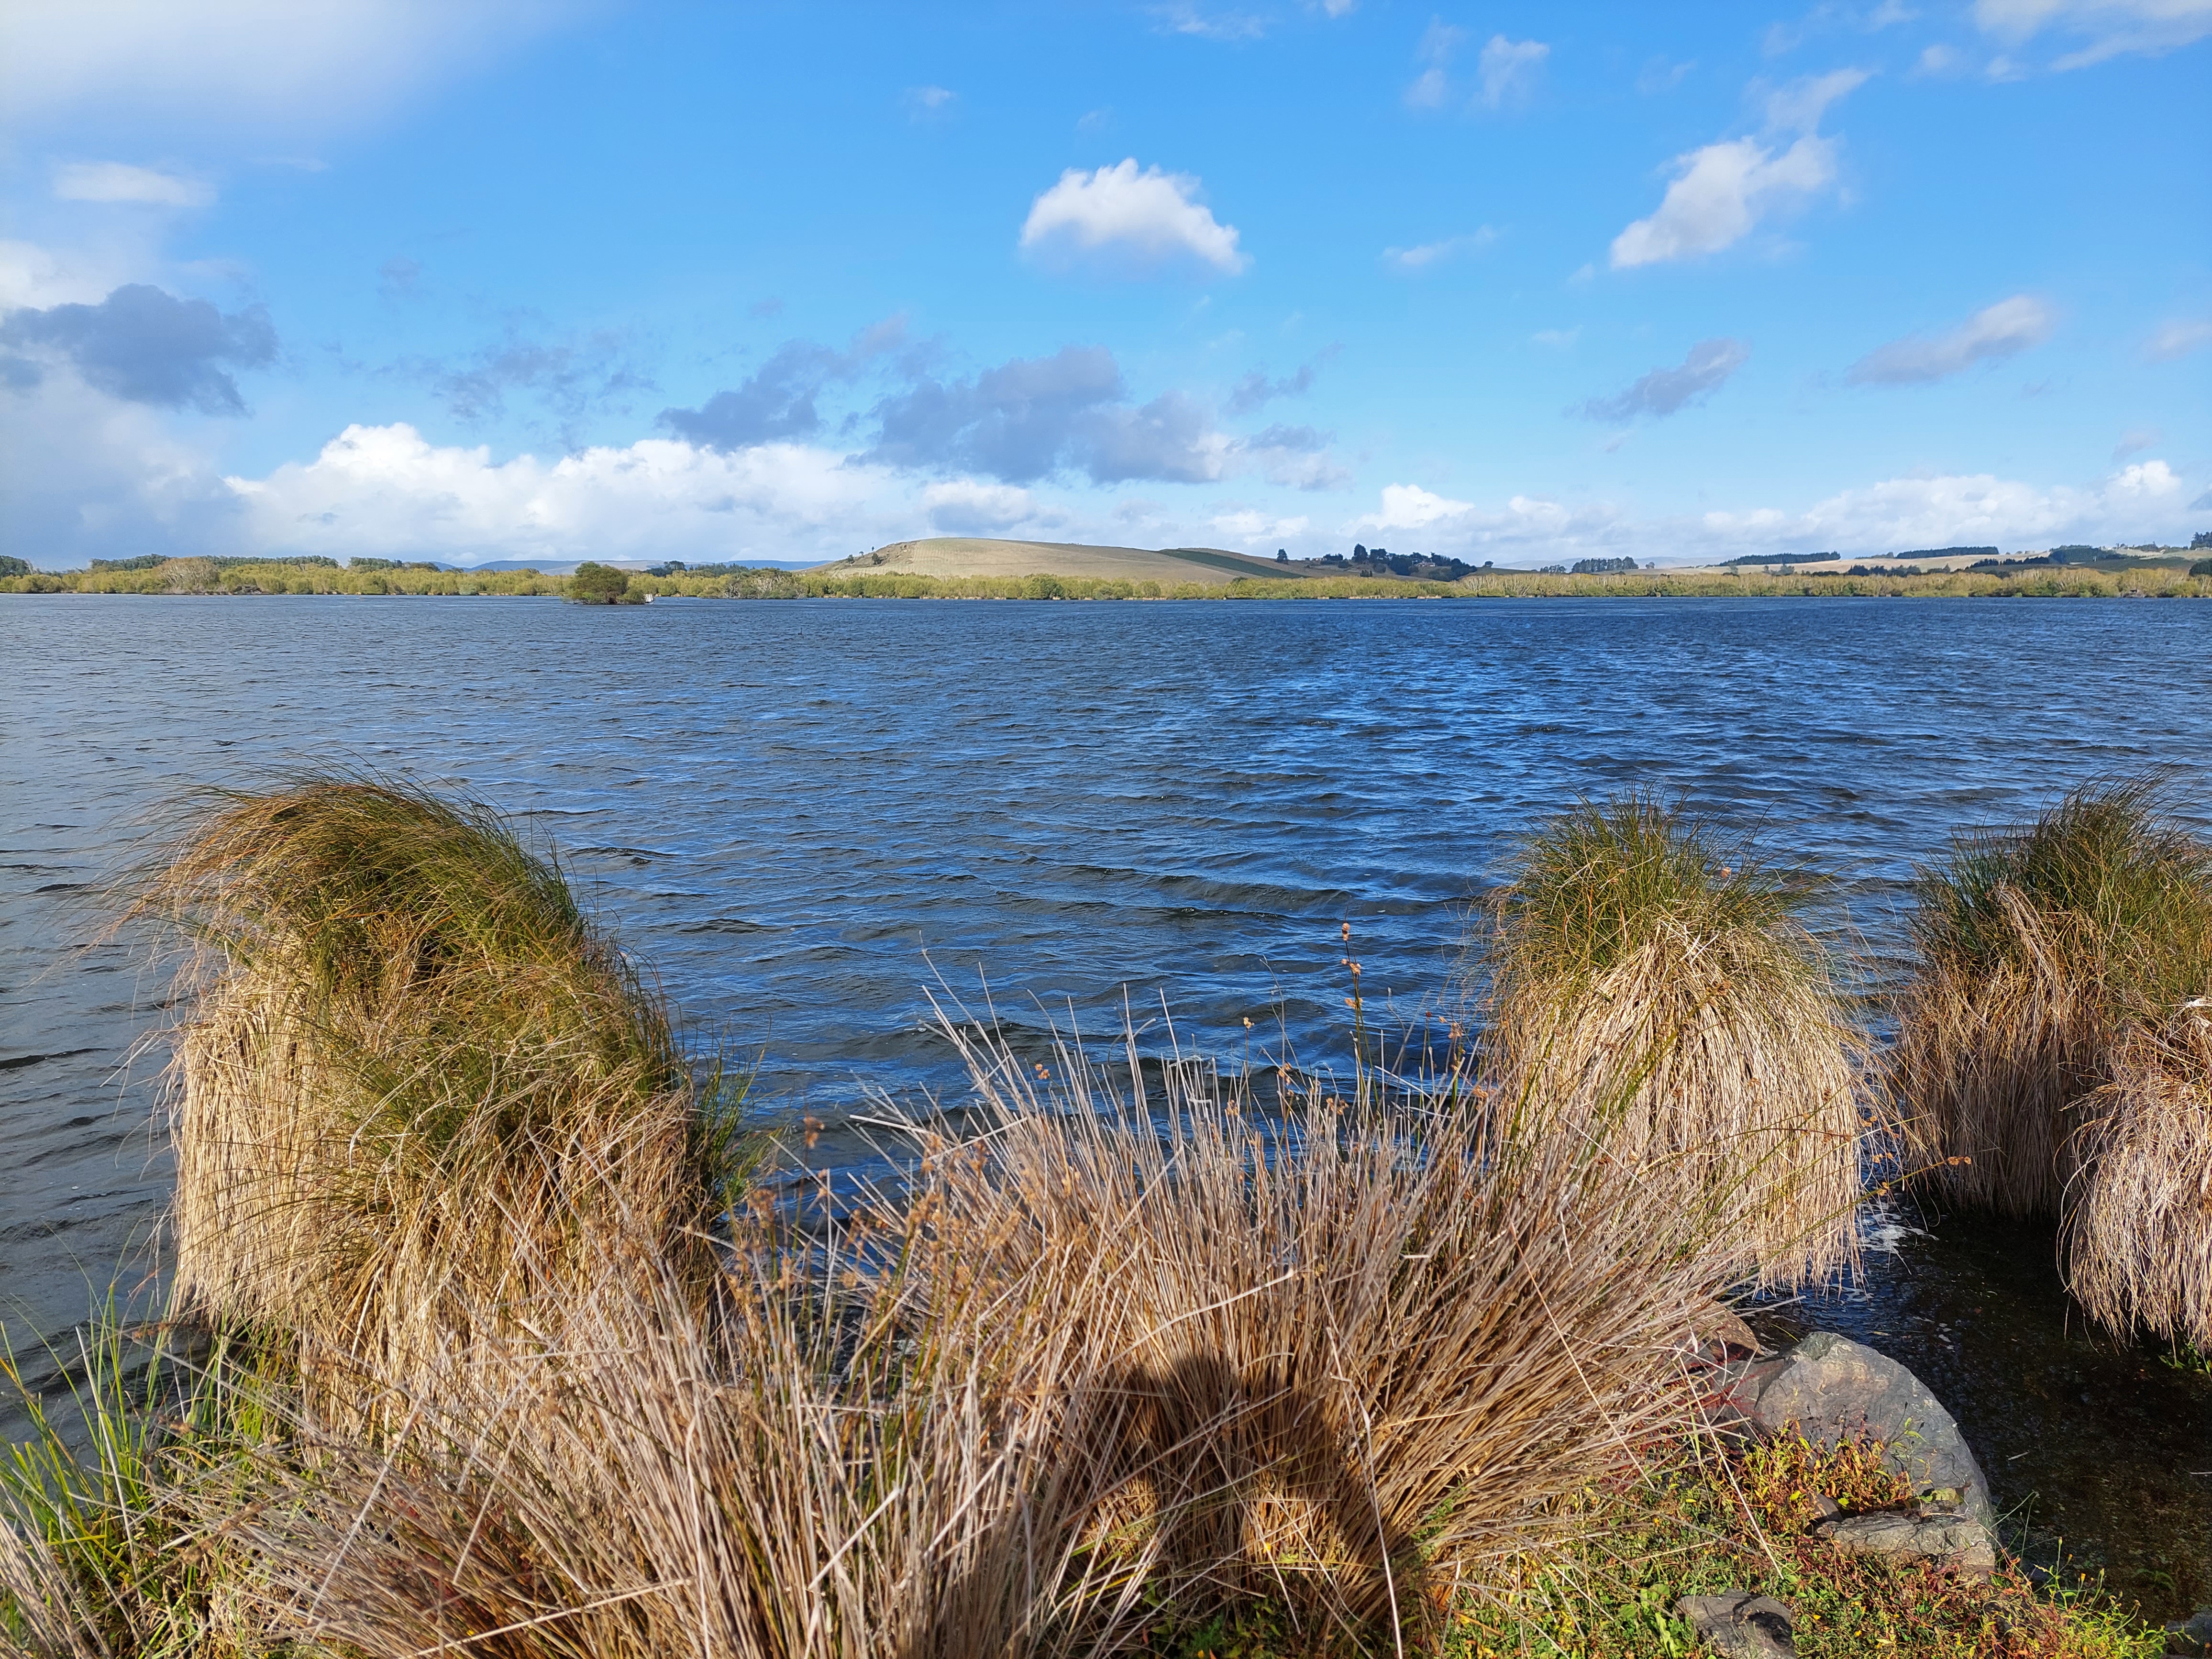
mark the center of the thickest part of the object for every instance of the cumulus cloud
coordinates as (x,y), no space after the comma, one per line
(1129,221)
(2107,28)
(1294,456)
(117,181)
(1414,259)
(1506,72)
(2133,504)
(778,400)
(2001,330)
(2177,339)
(388,490)
(1664,391)
(146,346)
(970,507)
(1720,193)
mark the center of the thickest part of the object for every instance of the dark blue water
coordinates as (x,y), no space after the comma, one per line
(802,813)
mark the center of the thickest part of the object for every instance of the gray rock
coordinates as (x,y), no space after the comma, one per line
(1741,1626)
(1959,1541)
(1832,1387)
(2193,1635)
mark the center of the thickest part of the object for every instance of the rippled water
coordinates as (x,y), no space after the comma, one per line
(801,812)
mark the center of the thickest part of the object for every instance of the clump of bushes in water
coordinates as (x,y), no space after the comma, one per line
(2052,1050)
(602,584)
(502,1368)
(1652,982)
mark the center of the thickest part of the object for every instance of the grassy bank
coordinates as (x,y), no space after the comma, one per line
(255,578)
(482,1343)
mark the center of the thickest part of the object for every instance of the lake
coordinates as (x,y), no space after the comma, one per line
(805,815)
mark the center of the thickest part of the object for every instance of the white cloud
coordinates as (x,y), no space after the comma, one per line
(1799,107)
(1248,528)
(1720,193)
(1429,89)
(1429,254)
(2177,339)
(1137,221)
(1663,392)
(2107,28)
(2003,329)
(1506,73)
(1409,507)
(1560,339)
(117,181)
(928,103)
(965,506)
(232,63)
(1938,59)
(39,276)
(1187,19)
(388,491)
(2134,504)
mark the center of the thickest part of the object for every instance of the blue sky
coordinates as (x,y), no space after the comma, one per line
(1509,282)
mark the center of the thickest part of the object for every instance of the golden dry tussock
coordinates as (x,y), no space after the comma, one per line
(414,1080)
(2137,1239)
(1651,982)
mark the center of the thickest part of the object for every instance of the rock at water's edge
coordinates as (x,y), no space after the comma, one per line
(1834,1387)
(1741,1626)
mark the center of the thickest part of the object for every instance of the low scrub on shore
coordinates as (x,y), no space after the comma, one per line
(1653,986)
(248,578)
(2051,1057)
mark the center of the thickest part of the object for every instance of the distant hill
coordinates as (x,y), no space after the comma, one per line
(975,555)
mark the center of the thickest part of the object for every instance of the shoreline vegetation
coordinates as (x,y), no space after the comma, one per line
(492,1335)
(253,578)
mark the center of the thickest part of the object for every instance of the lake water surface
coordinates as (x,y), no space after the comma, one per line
(803,813)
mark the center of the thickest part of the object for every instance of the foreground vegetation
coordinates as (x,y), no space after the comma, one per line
(2057,1046)
(385,577)
(487,1339)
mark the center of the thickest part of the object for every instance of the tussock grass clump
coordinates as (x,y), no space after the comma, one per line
(2040,946)
(1108,1353)
(1348,1362)
(2137,1234)
(1654,983)
(415,1081)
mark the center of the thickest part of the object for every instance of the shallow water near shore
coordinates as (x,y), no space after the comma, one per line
(800,813)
